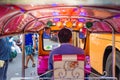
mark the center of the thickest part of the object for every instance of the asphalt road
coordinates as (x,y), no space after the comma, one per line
(15,68)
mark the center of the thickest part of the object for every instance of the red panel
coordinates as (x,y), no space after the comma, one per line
(80,57)
(57,57)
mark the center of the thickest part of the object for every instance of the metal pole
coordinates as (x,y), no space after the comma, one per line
(23,55)
(113,53)
(113,49)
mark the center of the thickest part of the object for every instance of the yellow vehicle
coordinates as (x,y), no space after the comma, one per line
(102,47)
(95,26)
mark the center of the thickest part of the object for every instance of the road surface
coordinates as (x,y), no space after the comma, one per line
(15,68)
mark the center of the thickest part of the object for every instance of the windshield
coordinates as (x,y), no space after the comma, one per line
(53,42)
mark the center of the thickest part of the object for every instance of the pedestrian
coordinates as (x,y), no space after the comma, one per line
(5,50)
(34,44)
(46,33)
(29,50)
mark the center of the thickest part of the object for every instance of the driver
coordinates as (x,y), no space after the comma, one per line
(65,39)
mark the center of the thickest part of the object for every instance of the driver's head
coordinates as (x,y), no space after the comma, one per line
(65,35)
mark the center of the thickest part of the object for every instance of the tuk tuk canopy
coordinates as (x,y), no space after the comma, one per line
(18,17)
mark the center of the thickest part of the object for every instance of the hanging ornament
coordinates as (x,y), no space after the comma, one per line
(69,24)
(56,19)
(49,23)
(59,24)
(79,25)
(81,20)
(89,24)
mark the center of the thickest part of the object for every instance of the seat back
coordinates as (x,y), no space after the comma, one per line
(69,67)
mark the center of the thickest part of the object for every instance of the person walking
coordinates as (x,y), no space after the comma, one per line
(29,50)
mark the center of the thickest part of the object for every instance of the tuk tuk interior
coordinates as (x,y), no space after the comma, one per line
(32,18)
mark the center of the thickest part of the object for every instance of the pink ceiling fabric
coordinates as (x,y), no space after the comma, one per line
(16,19)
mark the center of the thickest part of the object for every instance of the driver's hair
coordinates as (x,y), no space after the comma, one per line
(64,35)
